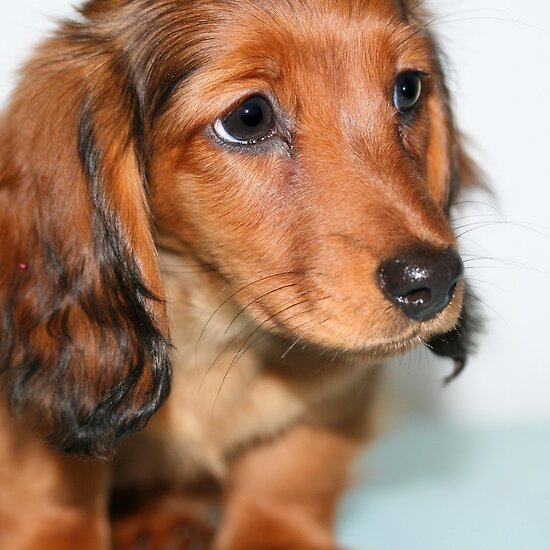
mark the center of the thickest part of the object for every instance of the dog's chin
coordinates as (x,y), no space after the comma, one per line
(367,351)
(398,336)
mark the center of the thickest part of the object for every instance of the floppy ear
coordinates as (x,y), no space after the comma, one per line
(84,346)
(452,170)
(459,342)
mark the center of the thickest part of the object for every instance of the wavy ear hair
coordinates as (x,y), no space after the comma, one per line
(84,344)
(459,172)
(460,342)
(452,169)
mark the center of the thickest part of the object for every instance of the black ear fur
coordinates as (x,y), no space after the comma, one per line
(458,343)
(461,341)
(84,340)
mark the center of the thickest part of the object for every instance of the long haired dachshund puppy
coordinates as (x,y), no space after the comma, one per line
(239,205)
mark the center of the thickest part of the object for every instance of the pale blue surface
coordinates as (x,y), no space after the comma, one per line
(439,487)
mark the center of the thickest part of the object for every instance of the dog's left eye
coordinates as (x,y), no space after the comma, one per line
(250,122)
(407,91)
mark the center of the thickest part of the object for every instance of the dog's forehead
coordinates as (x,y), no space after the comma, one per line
(307,18)
(314,42)
(314,8)
(309,34)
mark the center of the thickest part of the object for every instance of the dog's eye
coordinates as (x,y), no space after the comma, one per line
(407,91)
(251,121)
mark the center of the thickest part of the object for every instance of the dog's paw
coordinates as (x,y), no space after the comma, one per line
(166,524)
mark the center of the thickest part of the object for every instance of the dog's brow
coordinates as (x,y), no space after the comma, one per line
(170,86)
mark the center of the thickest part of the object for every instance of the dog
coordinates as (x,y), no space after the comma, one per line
(218,218)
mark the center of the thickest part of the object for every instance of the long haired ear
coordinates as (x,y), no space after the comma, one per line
(84,349)
(452,170)
(459,343)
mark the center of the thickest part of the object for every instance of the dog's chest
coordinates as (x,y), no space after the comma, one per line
(225,393)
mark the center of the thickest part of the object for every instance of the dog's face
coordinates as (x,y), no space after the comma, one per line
(309,148)
(304,150)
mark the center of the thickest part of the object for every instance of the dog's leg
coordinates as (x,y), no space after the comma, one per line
(48,501)
(283,494)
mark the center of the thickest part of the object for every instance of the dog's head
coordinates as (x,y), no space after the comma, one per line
(304,150)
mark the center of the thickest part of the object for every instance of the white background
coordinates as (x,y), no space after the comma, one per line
(499,75)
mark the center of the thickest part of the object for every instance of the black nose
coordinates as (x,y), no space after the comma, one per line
(422,281)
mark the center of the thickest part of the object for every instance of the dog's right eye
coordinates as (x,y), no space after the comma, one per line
(407,91)
(250,122)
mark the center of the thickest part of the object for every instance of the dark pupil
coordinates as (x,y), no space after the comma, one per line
(407,91)
(251,114)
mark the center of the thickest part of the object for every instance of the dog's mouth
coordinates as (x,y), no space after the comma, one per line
(318,323)
(351,314)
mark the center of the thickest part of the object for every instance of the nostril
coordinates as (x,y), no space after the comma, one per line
(417,297)
(422,282)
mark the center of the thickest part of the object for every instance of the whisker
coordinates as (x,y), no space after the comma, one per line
(477,203)
(225,349)
(520,223)
(450,18)
(317,324)
(283,274)
(481,225)
(440,19)
(471,216)
(240,352)
(476,281)
(474,297)
(257,300)
(506,263)
(289,332)
(490,18)
(233,340)
(503,268)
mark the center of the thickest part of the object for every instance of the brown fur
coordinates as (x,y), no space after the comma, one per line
(138,251)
